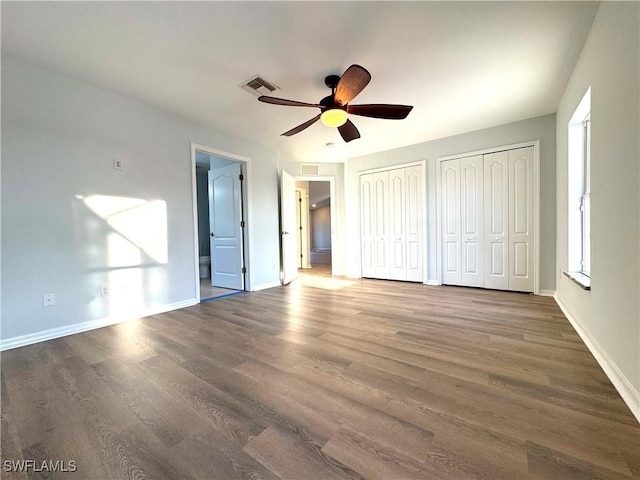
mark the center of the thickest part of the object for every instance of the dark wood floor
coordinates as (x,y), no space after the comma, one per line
(320,380)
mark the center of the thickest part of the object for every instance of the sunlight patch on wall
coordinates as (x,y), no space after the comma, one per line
(125,240)
(137,223)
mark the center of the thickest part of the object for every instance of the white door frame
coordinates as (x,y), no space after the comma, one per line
(248,202)
(288,226)
(304,241)
(536,204)
(336,252)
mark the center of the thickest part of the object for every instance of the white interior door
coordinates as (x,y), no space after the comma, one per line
(521,256)
(367,221)
(397,227)
(225,216)
(496,220)
(471,265)
(288,225)
(451,238)
(381,225)
(413,225)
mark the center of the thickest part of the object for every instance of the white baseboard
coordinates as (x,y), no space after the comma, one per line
(264,286)
(31,338)
(627,391)
(547,293)
(433,283)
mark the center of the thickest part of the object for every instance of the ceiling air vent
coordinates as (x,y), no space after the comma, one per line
(309,169)
(258,86)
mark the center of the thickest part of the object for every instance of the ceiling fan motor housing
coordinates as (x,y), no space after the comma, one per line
(329,103)
(331,81)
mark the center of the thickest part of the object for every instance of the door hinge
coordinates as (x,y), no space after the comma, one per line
(244,269)
(300,255)
(300,199)
(300,228)
(241,177)
(242,224)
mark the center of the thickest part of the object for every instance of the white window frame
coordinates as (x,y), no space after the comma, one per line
(579,193)
(586,199)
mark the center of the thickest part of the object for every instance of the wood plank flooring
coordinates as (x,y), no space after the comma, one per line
(207,291)
(325,378)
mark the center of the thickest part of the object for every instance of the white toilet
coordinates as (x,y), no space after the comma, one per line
(205,267)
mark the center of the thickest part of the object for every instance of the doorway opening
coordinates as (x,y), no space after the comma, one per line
(220,211)
(315,226)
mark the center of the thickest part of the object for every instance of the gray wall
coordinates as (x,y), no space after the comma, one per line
(321,227)
(540,128)
(609,314)
(59,138)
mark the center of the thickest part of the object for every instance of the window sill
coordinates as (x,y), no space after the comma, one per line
(579,279)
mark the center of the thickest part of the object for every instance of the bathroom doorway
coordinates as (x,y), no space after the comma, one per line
(220,204)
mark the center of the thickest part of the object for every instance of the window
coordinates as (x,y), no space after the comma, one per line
(586,199)
(579,189)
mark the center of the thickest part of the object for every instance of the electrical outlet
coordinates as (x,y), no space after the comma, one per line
(117,164)
(105,291)
(48,300)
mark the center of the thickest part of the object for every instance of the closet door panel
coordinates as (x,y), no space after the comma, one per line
(381,225)
(367,222)
(413,223)
(521,259)
(451,237)
(496,218)
(471,175)
(497,264)
(397,234)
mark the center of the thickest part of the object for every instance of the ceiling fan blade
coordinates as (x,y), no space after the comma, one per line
(285,102)
(353,81)
(348,131)
(302,126)
(380,110)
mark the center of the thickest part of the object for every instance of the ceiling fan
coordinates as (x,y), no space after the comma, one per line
(335,107)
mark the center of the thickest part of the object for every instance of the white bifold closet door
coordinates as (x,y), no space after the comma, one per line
(487,220)
(462,221)
(521,224)
(374,201)
(471,176)
(451,223)
(381,224)
(496,219)
(391,224)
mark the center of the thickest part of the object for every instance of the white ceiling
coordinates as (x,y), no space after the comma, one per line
(463,65)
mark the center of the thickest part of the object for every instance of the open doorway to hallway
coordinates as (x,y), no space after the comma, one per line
(314,227)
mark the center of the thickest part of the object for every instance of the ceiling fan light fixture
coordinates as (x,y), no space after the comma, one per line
(334,117)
